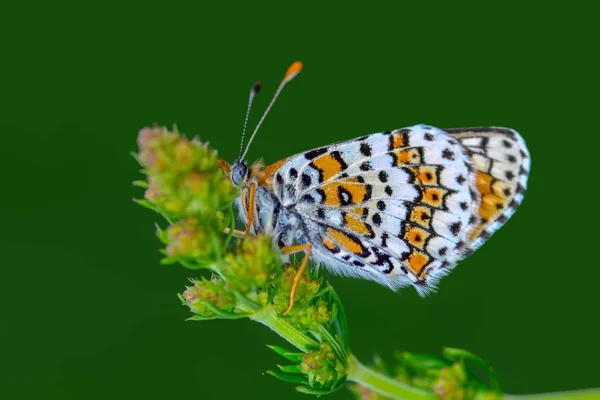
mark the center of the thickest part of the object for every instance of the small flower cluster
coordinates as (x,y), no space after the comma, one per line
(186,186)
(183,178)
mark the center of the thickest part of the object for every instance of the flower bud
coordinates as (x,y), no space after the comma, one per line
(450,382)
(320,366)
(196,297)
(188,239)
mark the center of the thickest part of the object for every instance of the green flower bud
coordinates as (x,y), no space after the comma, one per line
(450,383)
(205,292)
(320,366)
(185,155)
(251,265)
(305,291)
(189,239)
(183,176)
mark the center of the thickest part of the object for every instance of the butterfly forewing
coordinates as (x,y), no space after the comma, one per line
(397,203)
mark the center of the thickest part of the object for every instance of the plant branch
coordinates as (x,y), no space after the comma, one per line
(382,384)
(586,394)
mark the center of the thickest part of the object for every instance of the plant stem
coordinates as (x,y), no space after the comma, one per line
(383,385)
(269,317)
(585,394)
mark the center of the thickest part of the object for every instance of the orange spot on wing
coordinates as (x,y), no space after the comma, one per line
(495,195)
(416,237)
(397,141)
(328,166)
(328,243)
(409,156)
(416,261)
(330,192)
(421,216)
(357,191)
(484,183)
(266,174)
(477,231)
(426,175)
(356,225)
(433,197)
(345,241)
(360,211)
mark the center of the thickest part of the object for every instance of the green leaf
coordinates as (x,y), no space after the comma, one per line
(340,321)
(460,354)
(147,204)
(224,314)
(290,369)
(313,391)
(161,234)
(296,379)
(142,184)
(325,335)
(201,318)
(423,362)
(169,261)
(293,357)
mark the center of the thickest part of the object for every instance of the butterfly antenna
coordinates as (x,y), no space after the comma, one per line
(292,71)
(253,92)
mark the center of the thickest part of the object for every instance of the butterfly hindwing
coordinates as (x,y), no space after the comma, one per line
(501,166)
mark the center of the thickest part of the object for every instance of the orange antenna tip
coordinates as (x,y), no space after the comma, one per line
(293,70)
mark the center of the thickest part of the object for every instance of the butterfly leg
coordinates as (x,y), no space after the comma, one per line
(249,212)
(306,248)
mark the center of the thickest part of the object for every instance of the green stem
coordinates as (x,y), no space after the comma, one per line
(586,394)
(383,385)
(269,317)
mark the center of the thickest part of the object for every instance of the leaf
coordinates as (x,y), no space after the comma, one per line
(296,379)
(340,353)
(224,314)
(293,357)
(201,318)
(341,323)
(147,204)
(460,354)
(290,369)
(142,184)
(169,261)
(423,362)
(313,391)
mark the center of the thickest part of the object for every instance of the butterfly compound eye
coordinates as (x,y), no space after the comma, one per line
(238,173)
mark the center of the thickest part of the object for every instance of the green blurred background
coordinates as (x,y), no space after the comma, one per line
(88,312)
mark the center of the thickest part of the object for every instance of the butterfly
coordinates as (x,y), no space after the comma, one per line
(400,207)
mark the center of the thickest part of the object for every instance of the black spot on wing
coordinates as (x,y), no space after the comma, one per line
(306,180)
(338,157)
(383,176)
(309,155)
(455,228)
(365,149)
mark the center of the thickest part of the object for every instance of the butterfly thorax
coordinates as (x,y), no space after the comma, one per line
(282,223)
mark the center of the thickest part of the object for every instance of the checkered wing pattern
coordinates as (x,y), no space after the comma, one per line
(396,207)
